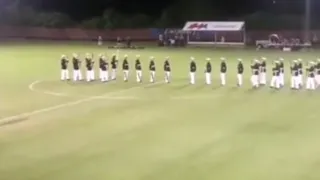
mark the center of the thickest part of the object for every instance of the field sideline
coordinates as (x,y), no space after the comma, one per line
(57,130)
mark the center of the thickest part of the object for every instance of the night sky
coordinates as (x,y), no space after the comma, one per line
(83,9)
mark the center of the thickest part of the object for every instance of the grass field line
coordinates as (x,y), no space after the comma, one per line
(186,97)
(32,88)
(6,120)
(51,93)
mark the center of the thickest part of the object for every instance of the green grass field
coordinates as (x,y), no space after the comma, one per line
(53,130)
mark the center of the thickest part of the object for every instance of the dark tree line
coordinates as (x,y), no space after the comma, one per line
(18,15)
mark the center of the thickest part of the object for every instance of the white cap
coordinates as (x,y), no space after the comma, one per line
(74,55)
(63,56)
(137,55)
(151,57)
(295,61)
(299,59)
(318,59)
(223,58)
(125,55)
(263,58)
(191,58)
(239,59)
(256,60)
(311,62)
(167,57)
(208,59)
(281,59)
(276,62)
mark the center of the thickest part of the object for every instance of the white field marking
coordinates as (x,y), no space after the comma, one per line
(68,104)
(32,88)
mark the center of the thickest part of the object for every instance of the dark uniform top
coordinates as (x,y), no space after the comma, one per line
(318,68)
(64,63)
(263,67)
(311,71)
(76,63)
(167,67)
(223,67)
(152,66)
(208,67)
(193,66)
(138,65)
(295,70)
(255,68)
(300,66)
(114,62)
(240,68)
(89,64)
(276,70)
(125,64)
(103,64)
(281,67)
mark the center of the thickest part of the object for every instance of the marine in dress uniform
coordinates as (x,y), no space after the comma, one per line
(77,75)
(104,67)
(310,84)
(167,70)
(207,71)
(240,69)
(295,75)
(152,69)
(318,73)
(114,65)
(193,70)
(263,72)
(64,68)
(255,67)
(300,69)
(89,66)
(223,71)
(281,64)
(125,68)
(275,80)
(138,69)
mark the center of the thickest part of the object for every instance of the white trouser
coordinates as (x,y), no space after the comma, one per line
(263,78)
(239,77)
(104,75)
(310,83)
(77,75)
(208,78)
(223,78)
(281,79)
(167,75)
(300,79)
(295,82)
(255,80)
(139,75)
(90,75)
(192,78)
(152,76)
(318,80)
(64,74)
(275,82)
(125,75)
(113,74)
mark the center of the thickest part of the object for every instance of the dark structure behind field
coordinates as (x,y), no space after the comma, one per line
(79,34)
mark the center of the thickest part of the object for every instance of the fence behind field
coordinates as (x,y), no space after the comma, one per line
(112,34)
(75,33)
